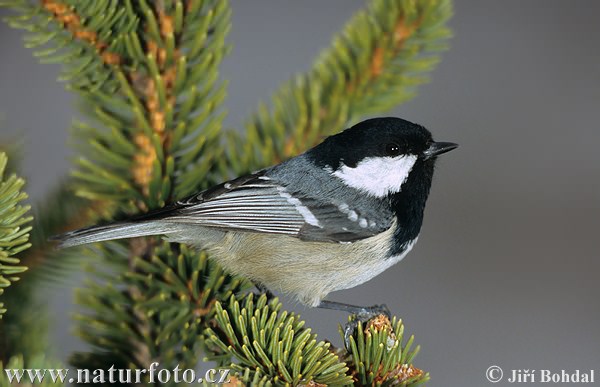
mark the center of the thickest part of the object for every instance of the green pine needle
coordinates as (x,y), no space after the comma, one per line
(378,358)
(14,231)
(268,341)
(161,314)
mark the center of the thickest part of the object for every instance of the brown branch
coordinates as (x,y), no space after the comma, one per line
(65,15)
(143,162)
(401,33)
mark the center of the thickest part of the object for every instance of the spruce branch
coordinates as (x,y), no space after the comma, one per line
(147,72)
(174,288)
(374,64)
(269,342)
(272,347)
(14,231)
(86,37)
(378,358)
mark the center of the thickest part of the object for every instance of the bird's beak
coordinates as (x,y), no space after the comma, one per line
(437,148)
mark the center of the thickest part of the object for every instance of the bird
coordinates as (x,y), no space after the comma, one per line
(328,219)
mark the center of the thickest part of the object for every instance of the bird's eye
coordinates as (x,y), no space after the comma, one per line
(392,149)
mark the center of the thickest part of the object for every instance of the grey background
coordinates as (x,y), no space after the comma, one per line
(505,271)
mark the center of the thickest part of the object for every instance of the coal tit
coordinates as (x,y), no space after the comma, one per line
(328,219)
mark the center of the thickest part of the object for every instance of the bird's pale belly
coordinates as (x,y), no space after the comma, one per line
(307,271)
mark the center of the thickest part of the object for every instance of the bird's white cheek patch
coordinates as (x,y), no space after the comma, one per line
(378,176)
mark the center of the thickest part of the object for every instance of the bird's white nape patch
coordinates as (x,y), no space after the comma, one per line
(378,176)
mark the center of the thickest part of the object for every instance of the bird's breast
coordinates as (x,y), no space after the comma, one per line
(306,270)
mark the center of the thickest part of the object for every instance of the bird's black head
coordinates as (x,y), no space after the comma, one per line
(377,155)
(388,160)
(377,137)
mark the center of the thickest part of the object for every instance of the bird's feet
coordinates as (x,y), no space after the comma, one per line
(357,314)
(364,315)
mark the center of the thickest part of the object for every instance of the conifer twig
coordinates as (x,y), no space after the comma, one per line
(14,231)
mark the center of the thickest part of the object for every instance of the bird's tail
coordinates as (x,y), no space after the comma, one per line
(118,230)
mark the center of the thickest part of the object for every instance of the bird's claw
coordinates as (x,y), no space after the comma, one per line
(363,316)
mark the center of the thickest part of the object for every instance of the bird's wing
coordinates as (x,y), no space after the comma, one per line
(257,203)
